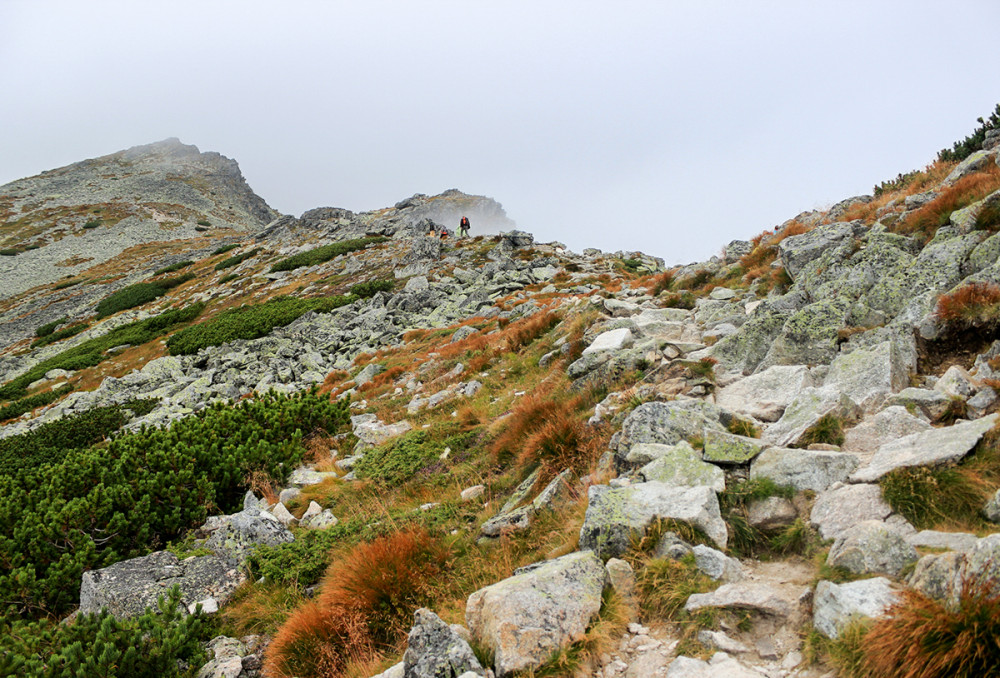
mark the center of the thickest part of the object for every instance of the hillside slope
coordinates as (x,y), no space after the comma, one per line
(359,448)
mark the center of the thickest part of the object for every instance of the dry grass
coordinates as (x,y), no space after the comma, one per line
(924,222)
(924,638)
(366,604)
(975,304)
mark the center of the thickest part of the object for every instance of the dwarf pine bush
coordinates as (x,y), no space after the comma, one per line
(324,253)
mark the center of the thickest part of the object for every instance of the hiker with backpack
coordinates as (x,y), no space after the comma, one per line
(463,227)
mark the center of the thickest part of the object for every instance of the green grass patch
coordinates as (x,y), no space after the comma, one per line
(9,252)
(68,283)
(372,287)
(92,351)
(223,249)
(829,430)
(48,328)
(734,502)
(204,222)
(324,253)
(228,278)
(64,333)
(664,586)
(93,223)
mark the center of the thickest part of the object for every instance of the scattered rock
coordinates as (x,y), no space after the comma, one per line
(803,469)
(766,394)
(843,506)
(871,547)
(777,600)
(678,465)
(434,650)
(727,448)
(835,605)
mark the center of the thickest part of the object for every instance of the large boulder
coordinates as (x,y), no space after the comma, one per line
(803,469)
(679,465)
(836,605)
(722,447)
(127,588)
(616,516)
(844,506)
(766,394)
(236,536)
(928,448)
(811,405)
(809,336)
(523,620)
(777,600)
(890,424)
(871,546)
(668,424)
(868,375)
(942,575)
(435,650)
(797,251)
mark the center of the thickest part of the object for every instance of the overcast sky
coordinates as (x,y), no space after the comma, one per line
(668,127)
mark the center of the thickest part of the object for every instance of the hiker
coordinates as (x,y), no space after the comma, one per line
(444,233)
(463,227)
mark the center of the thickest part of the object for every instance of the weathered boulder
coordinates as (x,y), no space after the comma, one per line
(235,536)
(526,618)
(809,336)
(798,250)
(778,600)
(868,375)
(717,564)
(616,516)
(612,340)
(668,424)
(811,405)
(836,605)
(843,506)
(803,469)
(956,383)
(680,465)
(933,404)
(765,395)
(772,513)
(942,575)
(621,576)
(992,508)
(722,447)
(929,448)
(871,546)
(890,424)
(373,432)
(953,541)
(128,587)
(435,650)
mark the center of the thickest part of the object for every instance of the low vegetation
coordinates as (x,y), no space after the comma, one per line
(924,222)
(237,259)
(94,351)
(249,322)
(973,305)
(324,253)
(173,268)
(961,150)
(138,294)
(19,407)
(48,328)
(59,335)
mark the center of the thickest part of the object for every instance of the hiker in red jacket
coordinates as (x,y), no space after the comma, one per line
(463,227)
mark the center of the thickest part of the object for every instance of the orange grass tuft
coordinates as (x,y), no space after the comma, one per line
(924,638)
(926,220)
(972,305)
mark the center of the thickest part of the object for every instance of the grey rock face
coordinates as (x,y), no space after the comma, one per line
(835,605)
(678,465)
(717,564)
(890,424)
(127,588)
(525,618)
(772,513)
(434,650)
(811,405)
(844,506)
(868,376)
(803,469)
(929,448)
(766,394)
(669,423)
(722,447)
(798,250)
(942,575)
(777,600)
(615,516)
(992,508)
(871,546)
(236,535)
(932,404)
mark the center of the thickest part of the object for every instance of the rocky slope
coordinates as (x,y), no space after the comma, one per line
(583,464)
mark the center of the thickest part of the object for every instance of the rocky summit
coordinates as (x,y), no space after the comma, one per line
(239,443)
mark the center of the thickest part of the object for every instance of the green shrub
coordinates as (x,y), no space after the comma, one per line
(236,260)
(303,561)
(248,322)
(92,351)
(227,278)
(399,459)
(48,328)
(33,247)
(173,267)
(974,142)
(900,182)
(9,252)
(683,299)
(324,253)
(50,442)
(94,223)
(138,294)
(102,504)
(372,287)
(204,222)
(157,643)
(19,407)
(64,333)
(68,283)
(224,248)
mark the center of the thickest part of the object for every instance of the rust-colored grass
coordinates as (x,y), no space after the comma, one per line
(925,221)
(972,305)
(366,604)
(525,331)
(924,638)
